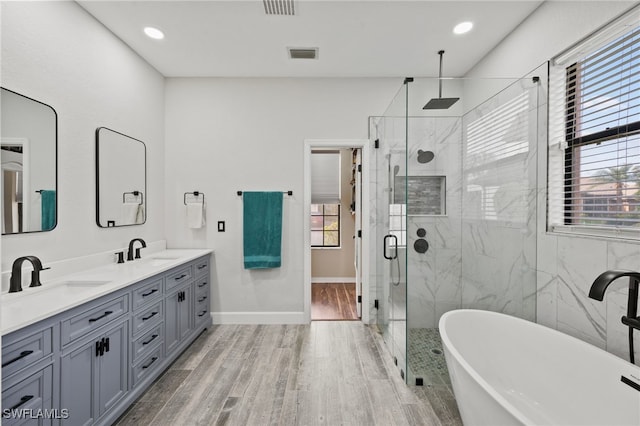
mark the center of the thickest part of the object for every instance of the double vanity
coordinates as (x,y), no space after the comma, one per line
(82,349)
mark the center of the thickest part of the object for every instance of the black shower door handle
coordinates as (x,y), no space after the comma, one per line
(385,245)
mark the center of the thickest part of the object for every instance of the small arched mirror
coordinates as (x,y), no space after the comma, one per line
(29,141)
(121,184)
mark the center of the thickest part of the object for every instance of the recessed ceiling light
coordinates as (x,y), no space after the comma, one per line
(463,27)
(154,33)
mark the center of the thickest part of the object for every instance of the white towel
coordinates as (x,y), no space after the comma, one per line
(195,215)
(129,213)
(140,214)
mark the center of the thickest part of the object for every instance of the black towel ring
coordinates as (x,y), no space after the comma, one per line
(195,194)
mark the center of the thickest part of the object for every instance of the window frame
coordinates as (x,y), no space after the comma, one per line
(323,215)
(572,166)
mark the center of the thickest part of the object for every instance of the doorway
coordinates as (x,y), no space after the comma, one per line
(336,268)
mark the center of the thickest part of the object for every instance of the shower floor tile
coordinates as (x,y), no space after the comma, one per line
(426,357)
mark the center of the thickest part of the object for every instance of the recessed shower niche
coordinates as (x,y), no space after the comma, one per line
(426,195)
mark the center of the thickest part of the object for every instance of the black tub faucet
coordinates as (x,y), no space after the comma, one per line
(16,273)
(631,320)
(130,252)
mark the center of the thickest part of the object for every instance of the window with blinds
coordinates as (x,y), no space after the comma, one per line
(600,171)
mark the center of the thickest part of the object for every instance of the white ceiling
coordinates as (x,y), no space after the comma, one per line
(384,38)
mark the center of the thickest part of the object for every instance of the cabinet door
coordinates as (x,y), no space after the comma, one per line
(78,384)
(94,376)
(186,313)
(113,367)
(178,313)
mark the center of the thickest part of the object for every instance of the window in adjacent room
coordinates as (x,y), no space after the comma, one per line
(594,167)
(325,225)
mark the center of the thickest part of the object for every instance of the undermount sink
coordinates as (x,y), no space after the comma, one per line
(158,261)
(83,283)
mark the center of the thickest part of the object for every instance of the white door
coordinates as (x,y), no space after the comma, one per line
(358,228)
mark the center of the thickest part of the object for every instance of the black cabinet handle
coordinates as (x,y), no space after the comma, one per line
(180,277)
(202,284)
(202,313)
(150,316)
(18,358)
(22,401)
(202,266)
(152,361)
(149,293)
(101,316)
(202,299)
(150,340)
(106,345)
(99,348)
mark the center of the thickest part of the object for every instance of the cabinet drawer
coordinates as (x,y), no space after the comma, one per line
(147,365)
(147,318)
(201,267)
(32,394)
(147,342)
(202,286)
(202,310)
(147,294)
(178,277)
(25,350)
(82,323)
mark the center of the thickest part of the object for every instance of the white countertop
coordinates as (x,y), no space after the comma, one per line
(32,304)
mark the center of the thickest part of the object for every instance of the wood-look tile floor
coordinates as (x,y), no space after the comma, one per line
(333,301)
(325,373)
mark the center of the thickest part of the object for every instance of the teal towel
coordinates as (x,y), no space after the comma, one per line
(48,206)
(262,229)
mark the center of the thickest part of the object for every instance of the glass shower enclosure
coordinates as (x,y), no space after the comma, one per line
(455,215)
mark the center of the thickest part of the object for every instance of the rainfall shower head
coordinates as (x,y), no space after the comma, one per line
(440,102)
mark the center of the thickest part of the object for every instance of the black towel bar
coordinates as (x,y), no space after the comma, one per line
(289,193)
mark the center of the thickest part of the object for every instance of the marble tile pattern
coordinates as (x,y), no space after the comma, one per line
(499,164)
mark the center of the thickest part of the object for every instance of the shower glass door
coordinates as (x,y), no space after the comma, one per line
(390,131)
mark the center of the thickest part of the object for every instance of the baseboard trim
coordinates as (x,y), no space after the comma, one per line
(258,317)
(333,280)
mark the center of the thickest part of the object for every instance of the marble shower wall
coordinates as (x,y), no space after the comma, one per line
(433,278)
(499,163)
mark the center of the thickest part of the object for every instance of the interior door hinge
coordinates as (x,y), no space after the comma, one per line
(375,303)
(360,298)
(360,168)
(359,233)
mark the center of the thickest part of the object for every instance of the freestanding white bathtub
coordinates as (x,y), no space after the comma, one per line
(508,371)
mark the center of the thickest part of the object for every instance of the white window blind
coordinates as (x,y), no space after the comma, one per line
(594,158)
(325,177)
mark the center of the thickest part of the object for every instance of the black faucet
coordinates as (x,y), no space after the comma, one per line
(130,252)
(631,320)
(16,273)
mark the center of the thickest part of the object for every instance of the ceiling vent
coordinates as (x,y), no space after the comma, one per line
(279,7)
(303,52)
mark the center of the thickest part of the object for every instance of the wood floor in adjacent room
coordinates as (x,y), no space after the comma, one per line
(333,301)
(326,373)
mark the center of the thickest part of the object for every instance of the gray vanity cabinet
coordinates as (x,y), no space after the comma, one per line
(88,364)
(94,374)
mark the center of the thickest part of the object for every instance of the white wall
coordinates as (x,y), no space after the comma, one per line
(231,134)
(567,265)
(58,54)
